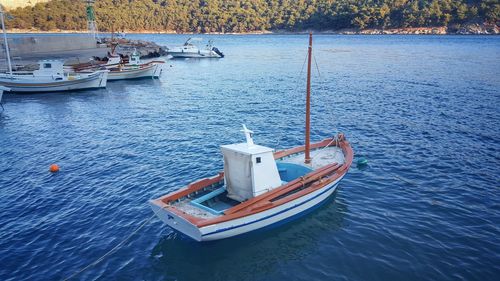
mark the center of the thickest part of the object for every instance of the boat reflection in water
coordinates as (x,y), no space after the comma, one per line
(177,256)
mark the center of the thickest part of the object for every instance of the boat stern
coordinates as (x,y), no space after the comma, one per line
(170,216)
(158,70)
(103,75)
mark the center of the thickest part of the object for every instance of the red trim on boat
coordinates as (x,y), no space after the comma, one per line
(310,183)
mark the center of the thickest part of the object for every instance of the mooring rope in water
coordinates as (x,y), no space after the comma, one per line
(110,252)
(302,69)
(317,67)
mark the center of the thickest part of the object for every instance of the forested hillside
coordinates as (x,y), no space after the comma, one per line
(254,15)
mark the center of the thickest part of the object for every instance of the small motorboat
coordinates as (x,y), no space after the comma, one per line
(120,34)
(123,67)
(189,50)
(258,187)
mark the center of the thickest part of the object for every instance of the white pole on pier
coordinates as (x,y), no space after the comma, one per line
(5,41)
(91,21)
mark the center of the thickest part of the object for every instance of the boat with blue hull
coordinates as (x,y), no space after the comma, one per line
(259,187)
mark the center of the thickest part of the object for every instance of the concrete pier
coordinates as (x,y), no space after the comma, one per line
(43,44)
(29,49)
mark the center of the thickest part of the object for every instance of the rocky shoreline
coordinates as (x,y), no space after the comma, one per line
(465,29)
(146,49)
(468,29)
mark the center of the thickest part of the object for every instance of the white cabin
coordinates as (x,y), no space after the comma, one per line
(135,58)
(114,60)
(249,169)
(49,68)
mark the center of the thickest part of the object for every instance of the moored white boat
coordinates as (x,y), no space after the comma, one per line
(143,71)
(189,50)
(258,187)
(120,70)
(50,77)
(134,69)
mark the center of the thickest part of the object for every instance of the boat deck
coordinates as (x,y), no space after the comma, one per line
(206,205)
(211,203)
(188,208)
(320,157)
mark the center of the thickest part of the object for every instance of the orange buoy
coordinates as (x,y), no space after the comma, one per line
(54,168)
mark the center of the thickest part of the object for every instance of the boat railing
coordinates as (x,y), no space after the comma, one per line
(23,73)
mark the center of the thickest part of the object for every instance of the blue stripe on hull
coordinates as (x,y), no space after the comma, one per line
(286,210)
(57,91)
(287,220)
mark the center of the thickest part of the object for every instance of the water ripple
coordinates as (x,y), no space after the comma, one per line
(422,110)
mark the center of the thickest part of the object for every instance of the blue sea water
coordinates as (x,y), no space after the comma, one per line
(423,110)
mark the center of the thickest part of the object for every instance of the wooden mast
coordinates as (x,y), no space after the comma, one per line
(307,159)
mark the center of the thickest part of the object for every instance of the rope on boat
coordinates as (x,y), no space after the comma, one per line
(110,252)
(323,148)
(302,69)
(317,67)
(296,89)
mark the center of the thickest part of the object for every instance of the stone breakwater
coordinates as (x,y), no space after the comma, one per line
(145,48)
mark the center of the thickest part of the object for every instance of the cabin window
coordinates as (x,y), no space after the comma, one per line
(258,160)
(47,65)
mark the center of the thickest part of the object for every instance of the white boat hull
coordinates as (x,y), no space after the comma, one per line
(31,85)
(1,93)
(200,54)
(152,71)
(279,214)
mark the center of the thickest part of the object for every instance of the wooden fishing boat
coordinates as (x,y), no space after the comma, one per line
(49,77)
(258,187)
(123,69)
